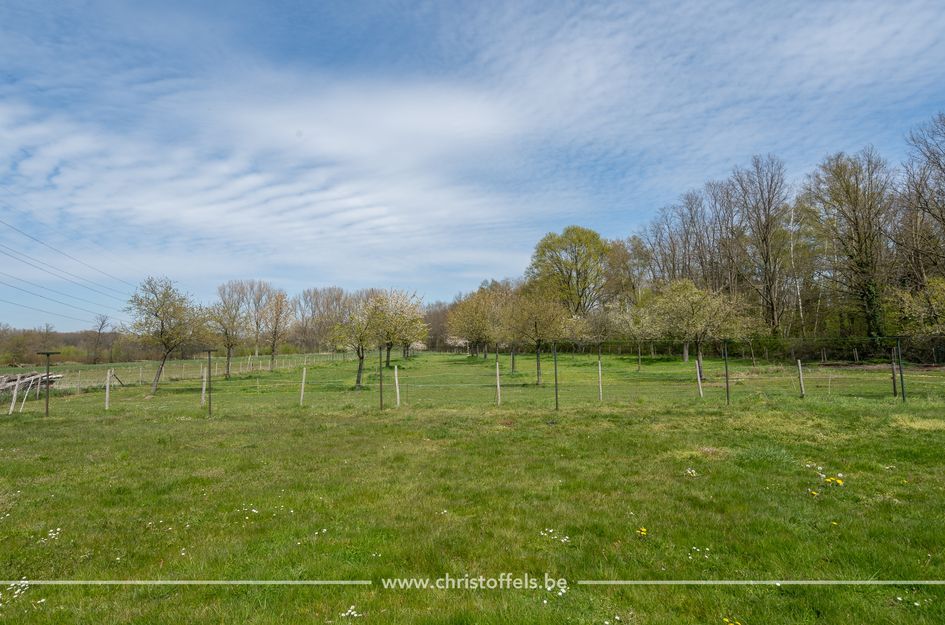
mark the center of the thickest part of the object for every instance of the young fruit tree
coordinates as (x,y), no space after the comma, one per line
(536,319)
(684,312)
(398,319)
(357,329)
(228,318)
(475,318)
(166,318)
(276,317)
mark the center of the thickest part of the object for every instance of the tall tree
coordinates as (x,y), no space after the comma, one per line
(572,264)
(317,311)
(761,196)
(97,337)
(854,196)
(257,294)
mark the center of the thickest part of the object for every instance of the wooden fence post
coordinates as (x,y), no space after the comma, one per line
(600,377)
(892,367)
(302,391)
(902,377)
(498,386)
(554,351)
(800,376)
(699,379)
(397,386)
(108,387)
(203,386)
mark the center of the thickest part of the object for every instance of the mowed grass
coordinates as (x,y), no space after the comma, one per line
(449,483)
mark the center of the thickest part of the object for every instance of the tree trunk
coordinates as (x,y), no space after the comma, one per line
(157,375)
(229,356)
(538,363)
(360,353)
(639,356)
(389,347)
(685,351)
(699,360)
(513,360)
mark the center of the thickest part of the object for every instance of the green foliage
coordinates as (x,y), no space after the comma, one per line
(685,312)
(921,312)
(572,266)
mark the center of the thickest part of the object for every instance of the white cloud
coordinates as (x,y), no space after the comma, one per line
(185,148)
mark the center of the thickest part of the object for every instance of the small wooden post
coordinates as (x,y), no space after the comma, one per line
(203,386)
(16,389)
(856,355)
(892,367)
(554,351)
(800,376)
(498,386)
(728,392)
(600,378)
(397,386)
(699,378)
(302,391)
(902,378)
(108,387)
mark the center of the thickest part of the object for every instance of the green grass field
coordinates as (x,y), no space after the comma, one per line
(451,484)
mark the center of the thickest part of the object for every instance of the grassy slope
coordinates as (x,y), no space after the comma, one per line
(452,484)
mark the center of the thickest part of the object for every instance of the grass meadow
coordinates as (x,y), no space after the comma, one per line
(652,483)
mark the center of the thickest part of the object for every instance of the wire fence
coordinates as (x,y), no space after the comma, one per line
(572,376)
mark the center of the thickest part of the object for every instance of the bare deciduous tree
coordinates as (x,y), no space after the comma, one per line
(166,318)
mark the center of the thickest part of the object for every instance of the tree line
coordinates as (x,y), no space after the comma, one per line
(255,314)
(855,249)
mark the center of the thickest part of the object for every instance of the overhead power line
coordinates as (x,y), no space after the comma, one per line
(62,293)
(68,273)
(56,301)
(54,271)
(46,312)
(21,198)
(67,255)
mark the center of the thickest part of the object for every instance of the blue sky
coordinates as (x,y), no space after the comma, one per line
(420,145)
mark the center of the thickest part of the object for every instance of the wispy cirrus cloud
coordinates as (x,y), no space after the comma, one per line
(425,147)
